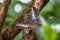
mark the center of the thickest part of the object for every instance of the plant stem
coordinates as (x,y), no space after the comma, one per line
(3,12)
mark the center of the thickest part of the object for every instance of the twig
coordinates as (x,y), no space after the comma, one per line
(3,12)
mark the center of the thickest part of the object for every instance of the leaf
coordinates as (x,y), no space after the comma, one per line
(18,37)
(45,32)
(9,20)
(49,33)
(51,12)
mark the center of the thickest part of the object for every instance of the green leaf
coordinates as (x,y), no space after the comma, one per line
(9,20)
(51,12)
(18,37)
(49,33)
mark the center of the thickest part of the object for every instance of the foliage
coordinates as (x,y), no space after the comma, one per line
(49,33)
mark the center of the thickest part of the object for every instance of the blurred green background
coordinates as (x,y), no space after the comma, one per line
(49,16)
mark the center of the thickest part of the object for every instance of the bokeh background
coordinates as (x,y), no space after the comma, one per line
(49,16)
